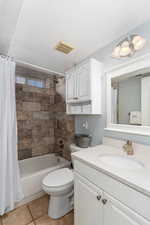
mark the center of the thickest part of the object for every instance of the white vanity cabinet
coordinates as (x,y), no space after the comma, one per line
(88,209)
(83,88)
(117,213)
(100,201)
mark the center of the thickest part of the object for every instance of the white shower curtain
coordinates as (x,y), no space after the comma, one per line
(10,186)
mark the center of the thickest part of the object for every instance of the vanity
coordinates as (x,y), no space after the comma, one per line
(112,188)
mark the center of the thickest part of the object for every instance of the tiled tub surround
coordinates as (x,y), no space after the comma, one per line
(34,213)
(35,120)
(64,124)
(43,126)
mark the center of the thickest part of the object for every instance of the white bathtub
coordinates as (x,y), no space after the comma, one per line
(32,172)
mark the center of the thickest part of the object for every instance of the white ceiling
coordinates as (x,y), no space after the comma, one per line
(86,24)
(9,12)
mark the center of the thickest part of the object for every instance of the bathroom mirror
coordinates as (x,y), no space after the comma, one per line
(128,97)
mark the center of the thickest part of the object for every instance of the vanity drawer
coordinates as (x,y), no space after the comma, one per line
(75,109)
(125,194)
(86,109)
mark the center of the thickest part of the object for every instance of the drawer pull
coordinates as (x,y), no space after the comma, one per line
(99,197)
(104,201)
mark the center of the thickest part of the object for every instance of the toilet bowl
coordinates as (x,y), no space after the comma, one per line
(59,185)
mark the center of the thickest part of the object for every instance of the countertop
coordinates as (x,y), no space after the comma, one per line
(138,179)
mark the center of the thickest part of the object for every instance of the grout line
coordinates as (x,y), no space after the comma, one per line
(31,214)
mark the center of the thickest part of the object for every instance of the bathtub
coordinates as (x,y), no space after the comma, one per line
(33,171)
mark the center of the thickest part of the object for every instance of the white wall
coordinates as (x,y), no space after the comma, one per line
(97,123)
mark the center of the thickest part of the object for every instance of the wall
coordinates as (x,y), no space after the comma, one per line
(34,117)
(104,55)
(64,124)
(43,126)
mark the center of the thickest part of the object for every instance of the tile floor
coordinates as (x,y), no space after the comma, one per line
(34,213)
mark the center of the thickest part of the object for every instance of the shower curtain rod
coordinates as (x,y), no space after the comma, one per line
(32,66)
(6,56)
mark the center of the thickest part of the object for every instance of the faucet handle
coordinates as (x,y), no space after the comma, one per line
(128,148)
(129,142)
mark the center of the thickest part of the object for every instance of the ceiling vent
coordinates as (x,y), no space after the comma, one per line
(64,47)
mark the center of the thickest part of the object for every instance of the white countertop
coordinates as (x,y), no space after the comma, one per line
(138,179)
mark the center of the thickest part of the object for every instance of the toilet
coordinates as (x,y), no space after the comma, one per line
(59,185)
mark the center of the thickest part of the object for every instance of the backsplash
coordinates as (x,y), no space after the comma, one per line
(43,126)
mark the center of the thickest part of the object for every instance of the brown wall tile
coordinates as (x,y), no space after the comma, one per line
(24,154)
(31,106)
(43,126)
(41,115)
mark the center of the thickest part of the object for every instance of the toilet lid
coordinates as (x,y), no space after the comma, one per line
(59,178)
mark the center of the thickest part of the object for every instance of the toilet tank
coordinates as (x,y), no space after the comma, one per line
(75,148)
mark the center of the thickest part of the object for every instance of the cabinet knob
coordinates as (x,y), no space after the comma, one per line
(99,197)
(104,201)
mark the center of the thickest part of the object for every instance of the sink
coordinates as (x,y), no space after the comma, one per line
(121,162)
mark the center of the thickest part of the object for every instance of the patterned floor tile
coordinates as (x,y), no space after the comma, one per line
(39,207)
(45,220)
(19,216)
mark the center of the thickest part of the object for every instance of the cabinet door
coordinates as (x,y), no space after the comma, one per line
(88,206)
(70,86)
(83,82)
(118,214)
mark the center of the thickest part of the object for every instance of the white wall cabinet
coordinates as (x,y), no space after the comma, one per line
(83,88)
(83,82)
(94,206)
(71,86)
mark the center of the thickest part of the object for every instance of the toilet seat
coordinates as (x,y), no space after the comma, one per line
(59,179)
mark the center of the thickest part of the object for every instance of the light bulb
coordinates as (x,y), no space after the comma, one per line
(125,44)
(138,42)
(116,52)
(125,51)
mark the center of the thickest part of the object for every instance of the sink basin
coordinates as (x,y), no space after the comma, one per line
(121,162)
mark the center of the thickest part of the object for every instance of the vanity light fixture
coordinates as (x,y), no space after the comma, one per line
(129,46)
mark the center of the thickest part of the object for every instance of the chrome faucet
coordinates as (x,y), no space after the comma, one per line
(128,148)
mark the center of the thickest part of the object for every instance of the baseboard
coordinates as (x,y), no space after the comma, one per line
(31,198)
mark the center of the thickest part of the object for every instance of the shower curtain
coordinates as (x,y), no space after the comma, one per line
(10,185)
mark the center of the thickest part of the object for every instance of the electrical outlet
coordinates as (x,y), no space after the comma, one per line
(85,124)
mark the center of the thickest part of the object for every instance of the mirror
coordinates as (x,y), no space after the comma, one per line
(130,99)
